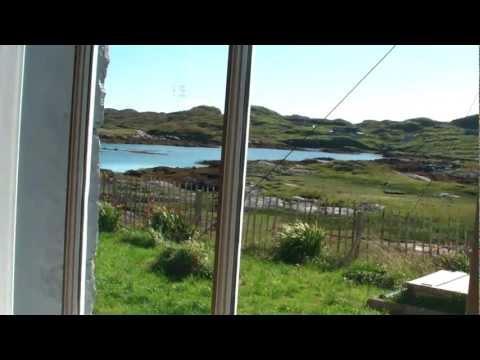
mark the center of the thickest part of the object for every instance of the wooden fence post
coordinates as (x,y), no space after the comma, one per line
(354,225)
(339,237)
(430,242)
(254,224)
(247,214)
(198,206)
(358,233)
(473,302)
(382,231)
(114,191)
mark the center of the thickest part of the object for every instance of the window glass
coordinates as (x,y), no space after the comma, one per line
(160,148)
(349,200)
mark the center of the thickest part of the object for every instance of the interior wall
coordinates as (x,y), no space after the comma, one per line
(42,179)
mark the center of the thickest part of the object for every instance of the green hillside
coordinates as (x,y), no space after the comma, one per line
(202,126)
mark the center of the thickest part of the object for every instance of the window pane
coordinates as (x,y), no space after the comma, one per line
(380,193)
(163,123)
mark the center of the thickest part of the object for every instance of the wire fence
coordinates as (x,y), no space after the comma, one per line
(350,227)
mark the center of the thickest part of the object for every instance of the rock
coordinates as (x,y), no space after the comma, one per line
(298,198)
(298,170)
(371,207)
(142,135)
(265,163)
(418,177)
(393,192)
(172,137)
(448,195)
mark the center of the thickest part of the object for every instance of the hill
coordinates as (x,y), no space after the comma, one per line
(468,122)
(202,126)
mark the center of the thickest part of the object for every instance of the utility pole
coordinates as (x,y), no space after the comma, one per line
(473,303)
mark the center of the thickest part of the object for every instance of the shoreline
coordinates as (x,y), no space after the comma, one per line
(255,146)
(207,172)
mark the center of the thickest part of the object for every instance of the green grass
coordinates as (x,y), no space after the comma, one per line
(365,182)
(126,285)
(275,288)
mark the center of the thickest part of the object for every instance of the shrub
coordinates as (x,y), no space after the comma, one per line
(327,261)
(299,243)
(108,217)
(371,274)
(188,258)
(157,236)
(172,226)
(453,262)
(401,265)
(143,238)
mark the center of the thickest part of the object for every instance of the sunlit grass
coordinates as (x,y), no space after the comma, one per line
(126,285)
(367,184)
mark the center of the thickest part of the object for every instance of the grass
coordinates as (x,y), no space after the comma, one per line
(365,182)
(275,288)
(126,285)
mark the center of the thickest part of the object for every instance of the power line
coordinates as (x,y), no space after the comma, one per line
(475,98)
(325,117)
(357,84)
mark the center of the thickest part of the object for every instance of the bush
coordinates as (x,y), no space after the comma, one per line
(142,238)
(108,217)
(371,274)
(299,243)
(453,262)
(180,261)
(172,226)
(327,261)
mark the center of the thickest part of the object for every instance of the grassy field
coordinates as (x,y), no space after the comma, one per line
(275,288)
(429,219)
(366,182)
(126,285)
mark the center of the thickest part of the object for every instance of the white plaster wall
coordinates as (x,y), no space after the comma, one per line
(42,174)
(92,226)
(11,71)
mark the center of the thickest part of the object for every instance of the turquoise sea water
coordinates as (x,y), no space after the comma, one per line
(123,157)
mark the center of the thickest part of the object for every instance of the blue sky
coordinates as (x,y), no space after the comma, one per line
(440,82)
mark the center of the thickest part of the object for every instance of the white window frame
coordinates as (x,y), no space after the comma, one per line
(79,165)
(234,161)
(232,191)
(11,79)
(234,164)
(78,183)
